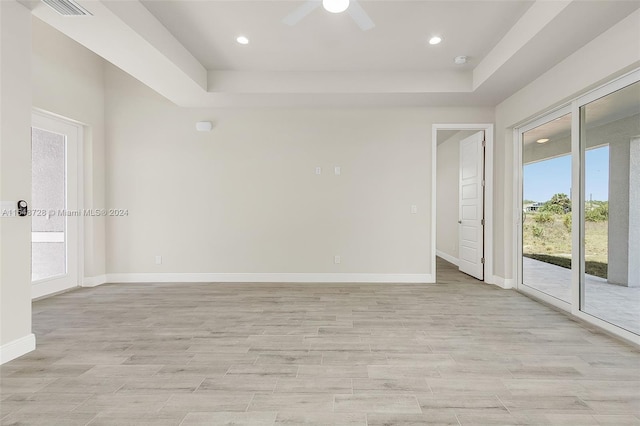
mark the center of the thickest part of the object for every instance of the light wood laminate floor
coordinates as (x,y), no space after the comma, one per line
(455,352)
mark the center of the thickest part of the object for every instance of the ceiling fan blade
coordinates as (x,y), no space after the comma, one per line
(360,16)
(301,12)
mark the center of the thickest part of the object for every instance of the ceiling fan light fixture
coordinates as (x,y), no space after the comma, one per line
(335,6)
(435,40)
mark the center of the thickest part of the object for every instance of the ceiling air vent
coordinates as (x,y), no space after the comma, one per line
(67,7)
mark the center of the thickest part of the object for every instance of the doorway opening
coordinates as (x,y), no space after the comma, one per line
(56,213)
(463,196)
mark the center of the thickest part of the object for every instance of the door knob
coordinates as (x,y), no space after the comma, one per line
(459,221)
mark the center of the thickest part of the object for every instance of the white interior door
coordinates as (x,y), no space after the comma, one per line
(471,205)
(55,213)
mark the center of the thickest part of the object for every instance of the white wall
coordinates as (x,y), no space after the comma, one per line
(613,53)
(68,80)
(15,180)
(447,200)
(256,204)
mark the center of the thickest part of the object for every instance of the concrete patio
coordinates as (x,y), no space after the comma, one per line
(616,304)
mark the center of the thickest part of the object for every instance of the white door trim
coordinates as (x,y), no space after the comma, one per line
(488,194)
(44,288)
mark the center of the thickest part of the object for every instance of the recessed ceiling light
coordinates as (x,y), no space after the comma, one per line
(543,140)
(435,40)
(335,6)
(242,40)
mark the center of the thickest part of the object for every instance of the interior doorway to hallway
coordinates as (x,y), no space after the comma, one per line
(463,198)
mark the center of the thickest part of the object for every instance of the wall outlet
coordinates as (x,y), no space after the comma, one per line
(414,209)
(336,259)
(158,260)
(318,170)
(337,170)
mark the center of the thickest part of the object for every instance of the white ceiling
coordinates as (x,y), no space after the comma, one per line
(186,50)
(323,41)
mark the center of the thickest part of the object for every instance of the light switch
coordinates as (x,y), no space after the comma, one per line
(414,209)
(336,170)
(318,170)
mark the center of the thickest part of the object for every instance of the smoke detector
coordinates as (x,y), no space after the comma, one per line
(461,60)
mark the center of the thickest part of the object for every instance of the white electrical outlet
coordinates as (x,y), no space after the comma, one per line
(414,209)
(336,259)
(337,170)
(318,170)
(158,260)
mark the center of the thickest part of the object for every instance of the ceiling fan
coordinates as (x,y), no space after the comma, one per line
(352,7)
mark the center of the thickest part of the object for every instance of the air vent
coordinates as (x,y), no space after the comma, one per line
(67,7)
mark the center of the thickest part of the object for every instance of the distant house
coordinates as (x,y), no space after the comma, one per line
(534,207)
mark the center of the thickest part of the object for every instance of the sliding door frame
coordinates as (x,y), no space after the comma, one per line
(577,204)
(518,193)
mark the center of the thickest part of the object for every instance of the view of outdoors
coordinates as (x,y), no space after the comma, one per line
(611,124)
(546,208)
(610,140)
(547,211)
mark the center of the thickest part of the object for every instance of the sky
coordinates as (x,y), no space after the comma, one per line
(545,178)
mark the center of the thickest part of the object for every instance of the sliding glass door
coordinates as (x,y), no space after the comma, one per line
(546,207)
(579,206)
(610,141)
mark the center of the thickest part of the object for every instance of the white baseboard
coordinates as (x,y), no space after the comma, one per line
(269,278)
(17,348)
(94,281)
(447,257)
(506,283)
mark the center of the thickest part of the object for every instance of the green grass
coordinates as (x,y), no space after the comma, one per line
(598,269)
(548,239)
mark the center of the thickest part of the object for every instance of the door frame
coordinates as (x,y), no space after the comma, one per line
(36,112)
(577,195)
(489,278)
(518,194)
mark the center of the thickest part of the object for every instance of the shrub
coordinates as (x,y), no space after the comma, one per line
(559,203)
(543,217)
(552,208)
(597,214)
(537,231)
(567,221)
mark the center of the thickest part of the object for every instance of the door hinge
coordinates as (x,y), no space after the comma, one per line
(482,182)
(482,260)
(482,222)
(484,143)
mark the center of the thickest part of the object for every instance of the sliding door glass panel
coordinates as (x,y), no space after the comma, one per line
(610,139)
(48,228)
(546,208)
